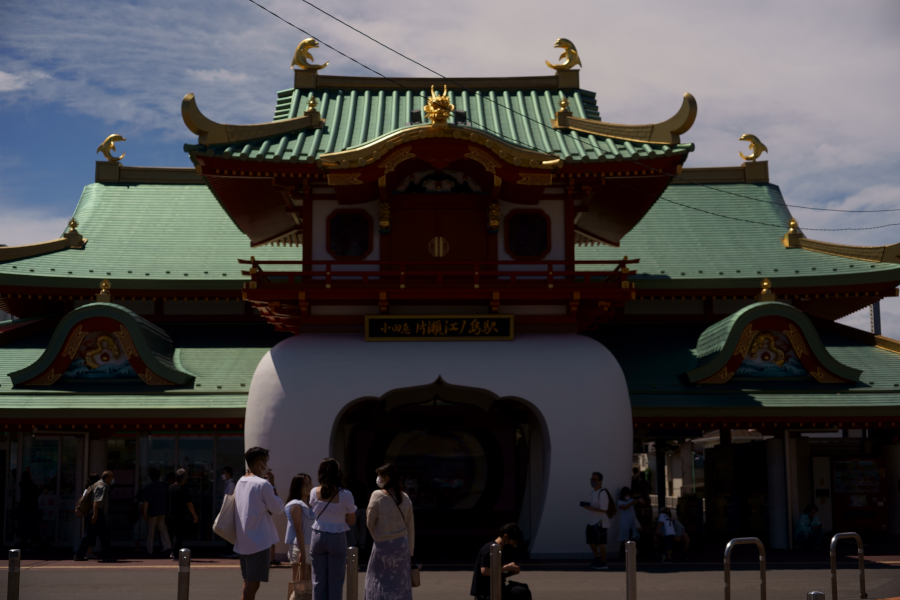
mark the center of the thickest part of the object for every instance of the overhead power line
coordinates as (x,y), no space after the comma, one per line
(527,117)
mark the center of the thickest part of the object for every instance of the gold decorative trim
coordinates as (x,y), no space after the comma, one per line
(151,378)
(535,179)
(75,342)
(747,336)
(721,377)
(823,376)
(48,378)
(127,342)
(480,157)
(211,133)
(886,254)
(797,342)
(667,132)
(391,162)
(344,179)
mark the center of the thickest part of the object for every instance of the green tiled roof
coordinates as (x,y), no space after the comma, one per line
(147,236)
(654,356)
(222,360)
(684,248)
(357,117)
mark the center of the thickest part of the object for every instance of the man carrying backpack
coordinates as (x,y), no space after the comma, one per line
(97,525)
(600,508)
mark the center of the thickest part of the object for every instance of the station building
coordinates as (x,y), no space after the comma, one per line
(489,285)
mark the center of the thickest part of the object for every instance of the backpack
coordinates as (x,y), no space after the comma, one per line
(611,507)
(85,504)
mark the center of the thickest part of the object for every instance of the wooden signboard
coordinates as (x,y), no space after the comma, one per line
(435,328)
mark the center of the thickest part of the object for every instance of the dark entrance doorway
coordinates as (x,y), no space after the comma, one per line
(463,456)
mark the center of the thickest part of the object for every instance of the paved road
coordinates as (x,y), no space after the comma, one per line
(216,579)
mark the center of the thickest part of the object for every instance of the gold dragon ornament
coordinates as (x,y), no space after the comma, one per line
(569,53)
(109,146)
(756,147)
(764,345)
(111,347)
(438,109)
(302,56)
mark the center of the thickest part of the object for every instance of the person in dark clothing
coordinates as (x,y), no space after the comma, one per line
(180,510)
(29,514)
(154,509)
(510,536)
(96,520)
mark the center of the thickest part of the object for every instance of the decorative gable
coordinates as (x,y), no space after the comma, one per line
(766,340)
(105,342)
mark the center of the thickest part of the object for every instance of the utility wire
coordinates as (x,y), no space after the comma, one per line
(594,146)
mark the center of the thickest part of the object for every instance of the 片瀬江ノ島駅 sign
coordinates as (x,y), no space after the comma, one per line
(419,328)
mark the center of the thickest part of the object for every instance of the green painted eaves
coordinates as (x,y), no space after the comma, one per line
(147,236)
(358,117)
(683,248)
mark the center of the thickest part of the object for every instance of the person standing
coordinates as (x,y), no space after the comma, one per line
(97,524)
(181,509)
(254,504)
(808,533)
(390,520)
(155,512)
(598,521)
(629,527)
(510,535)
(298,536)
(334,512)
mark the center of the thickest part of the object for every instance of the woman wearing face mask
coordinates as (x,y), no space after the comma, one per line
(299,526)
(333,512)
(390,520)
(629,526)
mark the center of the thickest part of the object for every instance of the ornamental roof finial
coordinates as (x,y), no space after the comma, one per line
(569,53)
(756,147)
(438,108)
(302,56)
(109,146)
(766,293)
(104,295)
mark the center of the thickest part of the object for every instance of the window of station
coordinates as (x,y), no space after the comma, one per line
(527,234)
(349,234)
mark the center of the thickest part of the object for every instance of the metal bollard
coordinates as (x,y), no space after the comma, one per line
(630,571)
(496,571)
(762,565)
(352,573)
(184,574)
(862,563)
(815,595)
(12,582)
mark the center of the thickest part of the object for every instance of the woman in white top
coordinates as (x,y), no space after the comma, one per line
(390,520)
(333,512)
(629,526)
(300,519)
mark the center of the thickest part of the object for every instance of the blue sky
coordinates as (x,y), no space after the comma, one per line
(818,82)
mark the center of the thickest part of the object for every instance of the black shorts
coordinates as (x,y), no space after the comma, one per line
(595,534)
(668,542)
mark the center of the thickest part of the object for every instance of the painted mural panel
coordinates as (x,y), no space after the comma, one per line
(100,356)
(771,355)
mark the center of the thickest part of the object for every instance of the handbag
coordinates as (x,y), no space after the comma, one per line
(225,526)
(302,589)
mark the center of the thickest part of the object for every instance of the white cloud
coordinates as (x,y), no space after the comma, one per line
(19,227)
(11,82)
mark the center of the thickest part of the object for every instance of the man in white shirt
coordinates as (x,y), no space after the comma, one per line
(254,504)
(598,521)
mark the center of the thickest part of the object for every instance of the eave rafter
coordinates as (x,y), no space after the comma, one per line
(667,132)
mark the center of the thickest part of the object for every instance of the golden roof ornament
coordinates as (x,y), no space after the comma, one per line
(438,108)
(569,53)
(756,147)
(793,226)
(312,104)
(73,224)
(792,237)
(766,293)
(302,56)
(109,146)
(564,104)
(104,295)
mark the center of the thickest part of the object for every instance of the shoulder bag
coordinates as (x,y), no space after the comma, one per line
(415,570)
(225,526)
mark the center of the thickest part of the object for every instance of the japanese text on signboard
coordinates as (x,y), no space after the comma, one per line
(418,328)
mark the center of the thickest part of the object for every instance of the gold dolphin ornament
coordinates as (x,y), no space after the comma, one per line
(109,146)
(569,53)
(756,147)
(302,56)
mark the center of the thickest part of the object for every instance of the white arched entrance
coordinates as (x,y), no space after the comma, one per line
(572,383)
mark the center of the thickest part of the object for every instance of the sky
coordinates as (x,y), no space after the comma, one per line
(816,81)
